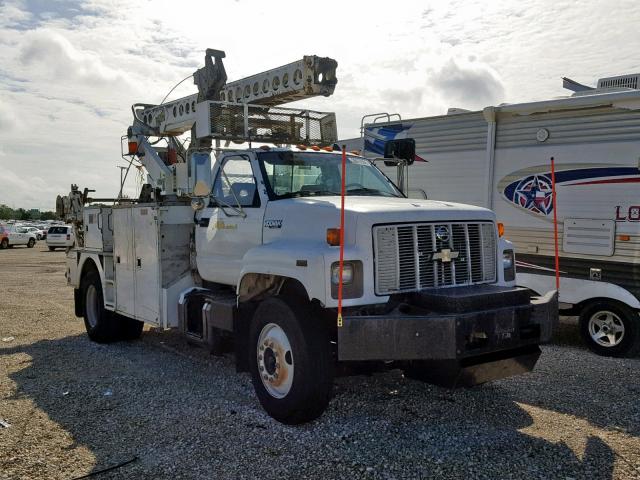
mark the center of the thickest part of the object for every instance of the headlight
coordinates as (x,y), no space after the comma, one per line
(352,279)
(507,259)
(347,273)
(508,264)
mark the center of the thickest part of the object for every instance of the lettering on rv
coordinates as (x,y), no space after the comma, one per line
(631,214)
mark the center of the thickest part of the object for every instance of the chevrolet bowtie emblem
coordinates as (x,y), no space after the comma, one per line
(445,255)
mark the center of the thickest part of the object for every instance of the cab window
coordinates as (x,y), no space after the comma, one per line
(235,184)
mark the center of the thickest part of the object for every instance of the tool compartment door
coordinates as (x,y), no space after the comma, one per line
(123,254)
(146,264)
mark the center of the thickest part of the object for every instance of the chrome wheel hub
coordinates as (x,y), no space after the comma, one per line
(275,360)
(606,328)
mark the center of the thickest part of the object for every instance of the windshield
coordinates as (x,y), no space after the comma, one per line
(301,174)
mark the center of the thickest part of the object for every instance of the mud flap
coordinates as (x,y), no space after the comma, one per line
(475,370)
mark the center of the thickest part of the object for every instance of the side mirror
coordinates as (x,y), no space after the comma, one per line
(403,149)
(200,173)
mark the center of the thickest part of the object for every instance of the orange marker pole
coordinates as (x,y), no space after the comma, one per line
(342,193)
(555,221)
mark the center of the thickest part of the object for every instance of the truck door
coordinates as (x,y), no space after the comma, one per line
(232,222)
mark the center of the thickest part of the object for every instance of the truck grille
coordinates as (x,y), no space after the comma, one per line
(411,257)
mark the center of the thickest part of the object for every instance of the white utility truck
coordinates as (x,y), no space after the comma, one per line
(246,252)
(499,158)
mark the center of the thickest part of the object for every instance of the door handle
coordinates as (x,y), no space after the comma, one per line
(139,262)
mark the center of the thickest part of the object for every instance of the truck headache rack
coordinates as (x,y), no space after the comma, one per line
(258,123)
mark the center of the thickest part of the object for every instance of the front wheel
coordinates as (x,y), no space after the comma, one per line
(4,243)
(290,360)
(611,329)
(102,325)
(31,243)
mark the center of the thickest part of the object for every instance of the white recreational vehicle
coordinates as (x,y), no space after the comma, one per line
(500,158)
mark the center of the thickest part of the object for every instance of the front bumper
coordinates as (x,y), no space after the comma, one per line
(462,323)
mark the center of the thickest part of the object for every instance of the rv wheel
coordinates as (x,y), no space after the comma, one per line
(610,329)
(290,360)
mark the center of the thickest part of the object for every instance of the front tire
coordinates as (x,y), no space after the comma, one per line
(4,244)
(290,360)
(610,329)
(102,325)
(31,243)
(51,249)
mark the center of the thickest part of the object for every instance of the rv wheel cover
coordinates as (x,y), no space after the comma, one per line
(606,328)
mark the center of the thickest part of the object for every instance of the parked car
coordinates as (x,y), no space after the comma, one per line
(4,237)
(39,233)
(60,237)
(20,236)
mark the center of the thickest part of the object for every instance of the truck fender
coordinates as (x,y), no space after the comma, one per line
(85,263)
(282,262)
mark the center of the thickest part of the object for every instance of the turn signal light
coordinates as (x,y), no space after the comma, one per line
(333,237)
(500,228)
(624,238)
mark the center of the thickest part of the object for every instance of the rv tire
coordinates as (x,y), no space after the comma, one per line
(610,328)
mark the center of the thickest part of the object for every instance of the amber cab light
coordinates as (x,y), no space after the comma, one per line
(500,228)
(133,147)
(624,238)
(333,237)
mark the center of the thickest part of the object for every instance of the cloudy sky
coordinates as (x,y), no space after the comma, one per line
(69,70)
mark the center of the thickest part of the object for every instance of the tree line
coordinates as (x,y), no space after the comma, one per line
(8,213)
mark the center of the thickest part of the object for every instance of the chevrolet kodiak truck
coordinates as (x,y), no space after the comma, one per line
(245,253)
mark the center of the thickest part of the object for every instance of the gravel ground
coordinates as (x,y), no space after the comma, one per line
(75,407)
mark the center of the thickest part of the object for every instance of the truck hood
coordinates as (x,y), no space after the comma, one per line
(310,216)
(402,208)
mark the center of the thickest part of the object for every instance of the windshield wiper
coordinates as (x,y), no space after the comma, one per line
(307,193)
(313,193)
(370,191)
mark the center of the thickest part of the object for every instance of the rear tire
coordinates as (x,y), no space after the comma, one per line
(4,243)
(51,249)
(611,329)
(31,243)
(102,325)
(290,360)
